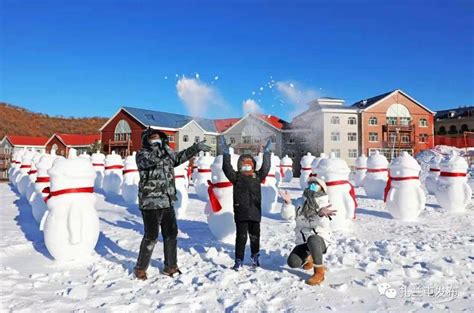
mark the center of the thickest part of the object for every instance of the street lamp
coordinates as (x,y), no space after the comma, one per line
(397,130)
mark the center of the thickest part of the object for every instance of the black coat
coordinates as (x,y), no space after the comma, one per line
(247,189)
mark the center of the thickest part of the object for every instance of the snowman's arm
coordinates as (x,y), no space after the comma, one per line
(227,168)
(185,155)
(263,172)
(74,224)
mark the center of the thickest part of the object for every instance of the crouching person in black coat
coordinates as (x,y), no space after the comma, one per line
(247,200)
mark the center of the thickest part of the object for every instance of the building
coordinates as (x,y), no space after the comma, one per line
(394,122)
(455,127)
(249,133)
(63,142)
(11,144)
(122,132)
(327,126)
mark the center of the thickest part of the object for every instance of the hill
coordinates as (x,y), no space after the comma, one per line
(19,121)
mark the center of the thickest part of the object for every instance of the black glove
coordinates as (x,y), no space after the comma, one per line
(268,147)
(224,146)
(201,146)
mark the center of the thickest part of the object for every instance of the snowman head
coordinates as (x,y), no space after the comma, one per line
(404,166)
(71,173)
(333,168)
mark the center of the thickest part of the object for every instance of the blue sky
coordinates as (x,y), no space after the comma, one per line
(86,58)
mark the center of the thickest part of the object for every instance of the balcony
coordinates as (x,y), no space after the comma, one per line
(400,127)
(120,143)
(398,144)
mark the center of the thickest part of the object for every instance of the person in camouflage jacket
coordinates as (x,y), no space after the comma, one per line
(156,196)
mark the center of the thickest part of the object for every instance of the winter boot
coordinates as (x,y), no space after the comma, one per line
(317,277)
(254,260)
(171,271)
(144,257)
(309,263)
(238,265)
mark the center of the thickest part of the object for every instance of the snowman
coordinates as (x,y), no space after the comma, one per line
(315,163)
(32,175)
(38,205)
(22,179)
(16,163)
(220,207)
(193,168)
(360,170)
(71,224)
(404,197)
(113,175)
(286,169)
(203,174)
(269,185)
(275,159)
(376,177)
(98,162)
(452,190)
(181,182)
(85,156)
(131,178)
(433,174)
(305,169)
(335,173)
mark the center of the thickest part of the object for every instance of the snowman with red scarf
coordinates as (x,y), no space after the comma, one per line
(113,176)
(203,174)
(404,197)
(131,178)
(335,173)
(181,182)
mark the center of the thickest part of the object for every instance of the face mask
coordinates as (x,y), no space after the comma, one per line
(314,187)
(246,168)
(155,141)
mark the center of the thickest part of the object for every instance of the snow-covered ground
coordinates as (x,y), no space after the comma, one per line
(429,264)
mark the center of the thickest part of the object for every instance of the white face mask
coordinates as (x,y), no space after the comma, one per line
(246,168)
(155,141)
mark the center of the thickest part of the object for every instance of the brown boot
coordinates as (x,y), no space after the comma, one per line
(171,271)
(309,263)
(317,277)
(140,274)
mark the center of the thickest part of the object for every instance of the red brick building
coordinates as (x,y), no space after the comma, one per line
(63,142)
(394,122)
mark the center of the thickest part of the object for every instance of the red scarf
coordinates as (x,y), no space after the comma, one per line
(179,176)
(360,168)
(449,174)
(306,168)
(44,179)
(389,184)
(97,164)
(31,172)
(282,171)
(351,191)
(265,178)
(66,191)
(25,166)
(376,170)
(204,170)
(114,167)
(129,171)
(190,171)
(434,170)
(313,175)
(215,205)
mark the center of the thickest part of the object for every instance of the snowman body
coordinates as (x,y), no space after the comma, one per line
(113,175)
(452,192)
(202,175)
(71,226)
(98,162)
(32,175)
(131,178)
(433,174)
(286,169)
(269,189)
(15,169)
(277,163)
(315,163)
(181,183)
(22,178)
(38,205)
(306,169)
(405,198)
(335,173)
(376,177)
(221,223)
(360,170)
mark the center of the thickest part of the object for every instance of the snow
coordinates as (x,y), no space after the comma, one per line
(378,252)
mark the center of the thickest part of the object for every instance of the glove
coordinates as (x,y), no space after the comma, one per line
(201,146)
(268,147)
(224,146)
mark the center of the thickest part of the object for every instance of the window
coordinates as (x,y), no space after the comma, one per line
(372,120)
(442,130)
(373,137)
(351,136)
(247,139)
(213,140)
(256,140)
(337,152)
(391,120)
(352,121)
(405,121)
(464,128)
(291,140)
(170,138)
(232,140)
(122,131)
(423,122)
(453,130)
(335,120)
(423,137)
(335,136)
(405,138)
(197,139)
(392,137)
(352,153)
(185,138)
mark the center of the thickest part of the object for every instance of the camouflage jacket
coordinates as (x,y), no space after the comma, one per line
(156,164)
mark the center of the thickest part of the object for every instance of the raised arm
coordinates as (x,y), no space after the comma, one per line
(266,163)
(227,168)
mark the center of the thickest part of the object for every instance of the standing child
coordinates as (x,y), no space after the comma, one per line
(247,200)
(312,228)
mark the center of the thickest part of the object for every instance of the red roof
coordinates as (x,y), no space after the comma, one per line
(225,123)
(274,120)
(27,140)
(78,139)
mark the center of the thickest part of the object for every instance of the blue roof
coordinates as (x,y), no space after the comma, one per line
(168,120)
